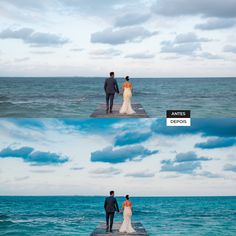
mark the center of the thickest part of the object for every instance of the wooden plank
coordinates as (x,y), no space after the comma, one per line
(100,112)
(101,230)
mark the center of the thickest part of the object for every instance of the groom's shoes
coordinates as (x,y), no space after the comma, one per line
(107,111)
(110,111)
(107,229)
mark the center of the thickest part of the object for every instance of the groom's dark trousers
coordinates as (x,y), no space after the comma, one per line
(109,100)
(110,87)
(110,206)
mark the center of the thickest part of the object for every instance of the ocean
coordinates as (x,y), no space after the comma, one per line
(77,215)
(77,97)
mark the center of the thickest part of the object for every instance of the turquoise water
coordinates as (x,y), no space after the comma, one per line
(80,215)
(74,97)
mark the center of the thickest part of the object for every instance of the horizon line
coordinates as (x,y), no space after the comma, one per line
(151,196)
(135,77)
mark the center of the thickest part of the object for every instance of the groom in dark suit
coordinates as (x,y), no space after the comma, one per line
(110,206)
(110,87)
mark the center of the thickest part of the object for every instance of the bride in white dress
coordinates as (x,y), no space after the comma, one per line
(126,107)
(126,226)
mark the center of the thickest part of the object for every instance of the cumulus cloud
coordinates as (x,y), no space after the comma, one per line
(208,174)
(114,156)
(207,8)
(206,127)
(34,39)
(129,138)
(184,49)
(230,167)
(186,44)
(36,158)
(215,24)
(184,168)
(217,143)
(189,38)
(141,55)
(141,174)
(132,19)
(186,163)
(121,36)
(189,157)
(209,56)
(230,48)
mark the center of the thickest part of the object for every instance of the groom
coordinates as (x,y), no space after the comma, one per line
(110,87)
(110,206)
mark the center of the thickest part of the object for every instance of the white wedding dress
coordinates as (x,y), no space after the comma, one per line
(126,226)
(126,107)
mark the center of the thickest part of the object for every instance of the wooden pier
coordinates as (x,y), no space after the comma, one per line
(100,112)
(101,230)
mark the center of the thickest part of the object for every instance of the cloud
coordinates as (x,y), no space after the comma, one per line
(26,4)
(207,127)
(217,143)
(186,44)
(209,56)
(129,138)
(230,48)
(36,158)
(184,168)
(121,36)
(215,24)
(34,39)
(189,157)
(141,55)
(106,171)
(141,174)
(207,8)
(184,49)
(23,152)
(230,167)
(91,7)
(105,52)
(208,174)
(189,38)
(132,19)
(186,163)
(114,156)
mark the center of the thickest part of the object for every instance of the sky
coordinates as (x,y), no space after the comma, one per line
(140,157)
(141,38)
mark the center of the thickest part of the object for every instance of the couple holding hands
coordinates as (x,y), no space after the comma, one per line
(111,87)
(111,206)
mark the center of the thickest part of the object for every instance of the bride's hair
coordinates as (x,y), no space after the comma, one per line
(127,197)
(127,78)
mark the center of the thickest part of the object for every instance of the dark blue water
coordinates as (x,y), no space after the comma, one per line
(80,215)
(75,97)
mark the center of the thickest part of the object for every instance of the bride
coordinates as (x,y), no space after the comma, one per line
(126,226)
(126,107)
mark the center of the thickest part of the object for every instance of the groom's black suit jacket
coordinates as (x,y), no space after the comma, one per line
(111,86)
(111,205)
